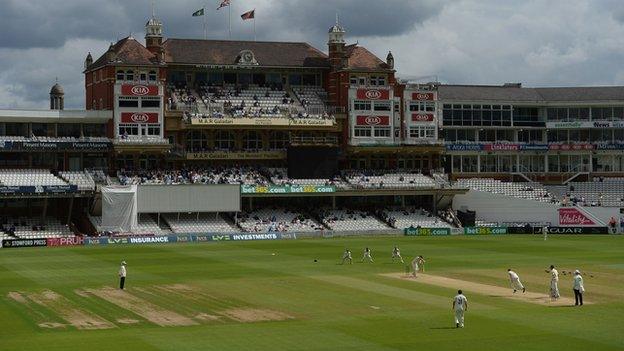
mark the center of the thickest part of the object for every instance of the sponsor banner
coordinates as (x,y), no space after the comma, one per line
(422,117)
(8,243)
(267,236)
(573,216)
(534,147)
(287,189)
(464,147)
(373,94)
(236,155)
(373,120)
(139,90)
(573,230)
(139,117)
(502,147)
(426,231)
(585,124)
(606,146)
(485,230)
(40,189)
(278,122)
(66,241)
(570,147)
(423,96)
(55,145)
(148,240)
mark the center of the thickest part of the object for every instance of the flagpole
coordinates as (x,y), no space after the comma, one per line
(254,24)
(205,24)
(230,20)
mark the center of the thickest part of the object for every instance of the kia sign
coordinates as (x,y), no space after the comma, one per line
(422,117)
(423,96)
(139,90)
(373,120)
(373,94)
(573,216)
(139,117)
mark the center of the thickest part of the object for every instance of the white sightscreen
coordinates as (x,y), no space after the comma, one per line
(119,208)
(189,198)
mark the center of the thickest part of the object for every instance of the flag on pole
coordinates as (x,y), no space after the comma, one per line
(248,15)
(199,12)
(224,3)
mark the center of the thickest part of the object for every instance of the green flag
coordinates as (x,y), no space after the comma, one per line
(199,12)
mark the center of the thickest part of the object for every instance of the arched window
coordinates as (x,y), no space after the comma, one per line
(224,140)
(152,76)
(130,75)
(142,76)
(279,140)
(252,140)
(196,141)
(120,75)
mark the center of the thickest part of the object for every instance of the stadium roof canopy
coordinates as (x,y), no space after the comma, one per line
(517,93)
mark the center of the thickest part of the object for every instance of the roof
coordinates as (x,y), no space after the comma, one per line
(359,58)
(127,51)
(515,93)
(225,52)
(57,89)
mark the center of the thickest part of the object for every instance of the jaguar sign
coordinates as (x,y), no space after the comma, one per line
(139,90)
(139,117)
(373,94)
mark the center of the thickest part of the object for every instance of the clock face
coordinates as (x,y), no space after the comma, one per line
(247,57)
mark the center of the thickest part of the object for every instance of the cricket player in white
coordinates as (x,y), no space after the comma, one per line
(367,255)
(516,284)
(347,256)
(460,305)
(396,254)
(122,275)
(554,283)
(545,232)
(418,265)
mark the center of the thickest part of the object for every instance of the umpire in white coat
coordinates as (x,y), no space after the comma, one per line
(122,275)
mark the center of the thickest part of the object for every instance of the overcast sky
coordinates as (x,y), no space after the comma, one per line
(536,42)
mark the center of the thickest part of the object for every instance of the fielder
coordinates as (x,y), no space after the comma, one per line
(554,283)
(396,254)
(545,232)
(367,255)
(514,279)
(122,275)
(347,256)
(460,305)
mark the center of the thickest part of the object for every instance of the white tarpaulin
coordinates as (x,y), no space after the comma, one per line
(119,208)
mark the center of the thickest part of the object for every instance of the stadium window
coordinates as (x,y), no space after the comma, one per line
(294,79)
(353,81)
(360,132)
(94,130)
(196,141)
(120,75)
(143,76)
(361,105)
(68,130)
(382,106)
(150,103)
(95,77)
(618,113)
(41,129)
(129,129)
(153,130)
(252,141)
(278,140)
(382,132)
(362,81)
(421,106)
(224,140)
(152,76)
(16,129)
(130,75)
(584,113)
(128,102)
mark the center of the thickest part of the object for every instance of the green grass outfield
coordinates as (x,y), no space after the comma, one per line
(220,287)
